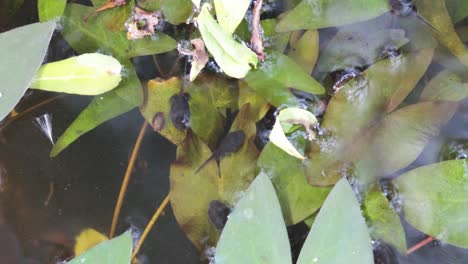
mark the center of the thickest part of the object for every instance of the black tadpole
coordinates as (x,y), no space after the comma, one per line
(231,143)
(180,109)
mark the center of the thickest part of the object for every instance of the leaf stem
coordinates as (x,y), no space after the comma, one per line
(420,245)
(150,226)
(128,173)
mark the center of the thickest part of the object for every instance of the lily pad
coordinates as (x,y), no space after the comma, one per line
(339,233)
(445,86)
(22,51)
(434,200)
(384,222)
(330,13)
(87,74)
(50,9)
(298,199)
(255,231)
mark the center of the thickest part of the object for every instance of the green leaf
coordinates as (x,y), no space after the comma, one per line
(176,11)
(122,99)
(255,231)
(304,51)
(104,33)
(437,15)
(339,233)
(114,251)
(158,97)
(285,121)
(50,9)
(401,137)
(364,46)
(458,9)
(257,103)
(330,13)
(87,74)
(22,51)
(272,39)
(445,86)
(384,222)
(298,199)
(278,73)
(434,200)
(358,105)
(232,57)
(230,13)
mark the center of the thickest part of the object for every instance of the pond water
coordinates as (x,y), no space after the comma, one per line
(45,202)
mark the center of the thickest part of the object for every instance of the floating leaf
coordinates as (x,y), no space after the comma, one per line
(434,200)
(159,93)
(98,33)
(278,73)
(437,15)
(272,39)
(384,222)
(234,58)
(330,13)
(445,86)
(401,137)
(297,198)
(87,74)
(304,51)
(358,105)
(122,99)
(87,239)
(365,45)
(230,13)
(22,51)
(339,233)
(458,9)
(255,231)
(50,9)
(258,104)
(114,251)
(287,118)
(175,11)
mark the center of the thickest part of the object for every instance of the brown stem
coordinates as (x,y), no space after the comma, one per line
(128,173)
(256,40)
(150,226)
(420,245)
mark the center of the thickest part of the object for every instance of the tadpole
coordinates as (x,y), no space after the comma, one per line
(231,143)
(218,213)
(180,110)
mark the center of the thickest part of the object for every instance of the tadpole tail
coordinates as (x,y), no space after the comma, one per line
(204,163)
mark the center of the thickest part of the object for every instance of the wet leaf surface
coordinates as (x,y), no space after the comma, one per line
(445,86)
(50,9)
(122,99)
(22,51)
(276,74)
(87,74)
(234,58)
(304,51)
(384,222)
(328,13)
(115,251)
(338,235)
(359,104)
(230,13)
(435,12)
(272,39)
(297,198)
(434,200)
(258,104)
(158,97)
(255,231)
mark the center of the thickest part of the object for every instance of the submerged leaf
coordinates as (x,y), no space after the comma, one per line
(339,233)
(234,58)
(122,99)
(114,251)
(22,51)
(384,222)
(255,231)
(230,13)
(50,9)
(87,74)
(304,51)
(434,200)
(445,86)
(458,9)
(297,198)
(437,15)
(316,14)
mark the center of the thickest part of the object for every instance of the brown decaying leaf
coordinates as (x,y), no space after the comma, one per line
(256,41)
(199,56)
(142,23)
